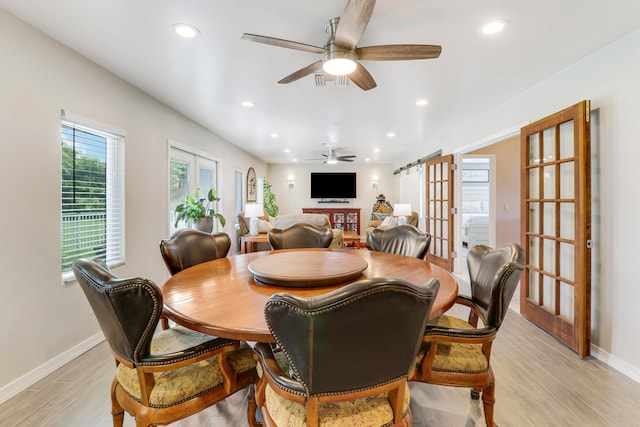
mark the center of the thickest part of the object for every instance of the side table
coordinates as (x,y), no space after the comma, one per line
(351,237)
(248,242)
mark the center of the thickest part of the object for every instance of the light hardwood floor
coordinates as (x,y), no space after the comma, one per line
(539,382)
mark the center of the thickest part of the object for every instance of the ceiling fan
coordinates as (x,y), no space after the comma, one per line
(332,158)
(341,56)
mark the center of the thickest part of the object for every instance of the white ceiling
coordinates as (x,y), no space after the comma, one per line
(208,77)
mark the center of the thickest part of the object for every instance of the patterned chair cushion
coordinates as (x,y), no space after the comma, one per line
(454,356)
(341,414)
(370,411)
(180,385)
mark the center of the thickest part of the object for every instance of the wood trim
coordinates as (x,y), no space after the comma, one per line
(575,333)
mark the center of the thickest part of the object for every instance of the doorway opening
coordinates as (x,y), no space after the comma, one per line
(489,212)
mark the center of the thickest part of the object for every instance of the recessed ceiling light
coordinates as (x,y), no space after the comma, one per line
(273,135)
(494,26)
(391,135)
(286,150)
(294,160)
(185,30)
(421,102)
(376,150)
(248,104)
(367,159)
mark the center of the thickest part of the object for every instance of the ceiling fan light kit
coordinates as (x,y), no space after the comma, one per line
(339,63)
(341,56)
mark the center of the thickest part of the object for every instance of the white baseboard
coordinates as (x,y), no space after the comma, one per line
(616,363)
(30,378)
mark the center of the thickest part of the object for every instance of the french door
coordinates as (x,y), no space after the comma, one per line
(439,179)
(556,225)
(188,171)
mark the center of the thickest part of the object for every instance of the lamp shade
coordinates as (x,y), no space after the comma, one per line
(402,209)
(253,210)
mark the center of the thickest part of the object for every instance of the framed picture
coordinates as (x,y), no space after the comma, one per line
(252,185)
(475,175)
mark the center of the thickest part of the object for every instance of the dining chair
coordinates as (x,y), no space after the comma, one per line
(189,247)
(403,239)
(455,352)
(300,235)
(340,359)
(161,376)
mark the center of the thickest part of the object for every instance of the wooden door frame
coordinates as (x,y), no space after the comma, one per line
(577,333)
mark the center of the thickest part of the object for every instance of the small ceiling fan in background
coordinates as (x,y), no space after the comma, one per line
(341,56)
(332,158)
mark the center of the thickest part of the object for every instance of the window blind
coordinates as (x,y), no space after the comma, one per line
(92,196)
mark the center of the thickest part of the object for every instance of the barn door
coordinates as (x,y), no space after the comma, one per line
(439,199)
(556,225)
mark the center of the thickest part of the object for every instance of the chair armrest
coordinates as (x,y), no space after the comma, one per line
(440,333)
(274,373)
(475,314)
(173,360)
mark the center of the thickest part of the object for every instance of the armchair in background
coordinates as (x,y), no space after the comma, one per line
(264,225)
(382,216)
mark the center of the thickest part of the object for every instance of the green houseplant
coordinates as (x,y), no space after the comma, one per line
(269,199)
(199,211)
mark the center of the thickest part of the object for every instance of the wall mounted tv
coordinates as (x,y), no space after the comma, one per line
(333,185)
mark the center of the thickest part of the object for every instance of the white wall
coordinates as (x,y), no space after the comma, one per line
(40,318)
(293,199)
(610,79)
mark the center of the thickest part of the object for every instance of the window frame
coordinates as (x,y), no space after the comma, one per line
(114,182)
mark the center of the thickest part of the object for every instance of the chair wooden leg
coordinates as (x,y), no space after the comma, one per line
(116,410)
(252,407)
(488,401)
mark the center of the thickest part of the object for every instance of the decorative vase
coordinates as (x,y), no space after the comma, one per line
(204,224)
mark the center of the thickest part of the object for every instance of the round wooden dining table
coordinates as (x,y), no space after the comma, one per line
(224,298)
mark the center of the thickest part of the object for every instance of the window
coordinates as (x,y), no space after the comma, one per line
(188,171)
(239,195)
(92,194)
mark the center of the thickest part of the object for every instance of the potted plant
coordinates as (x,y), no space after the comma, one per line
(199,211)
(269,199)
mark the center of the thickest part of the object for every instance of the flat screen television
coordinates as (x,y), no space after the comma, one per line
(333,185)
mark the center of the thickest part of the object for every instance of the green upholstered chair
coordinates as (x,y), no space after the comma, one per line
(161,376)
(189,247)
(300,235)
(342,358)
(457,352)
(403,239)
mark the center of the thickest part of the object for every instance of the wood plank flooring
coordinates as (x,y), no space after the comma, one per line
(539,382)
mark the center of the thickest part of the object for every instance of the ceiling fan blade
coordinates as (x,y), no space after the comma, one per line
(346,157)
(344,160)
(362,78)
(311,68)
(398,52)
(282,43)
(353,22)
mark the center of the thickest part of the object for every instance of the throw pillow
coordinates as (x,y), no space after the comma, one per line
(264,226)
(389,222)
(380,216)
